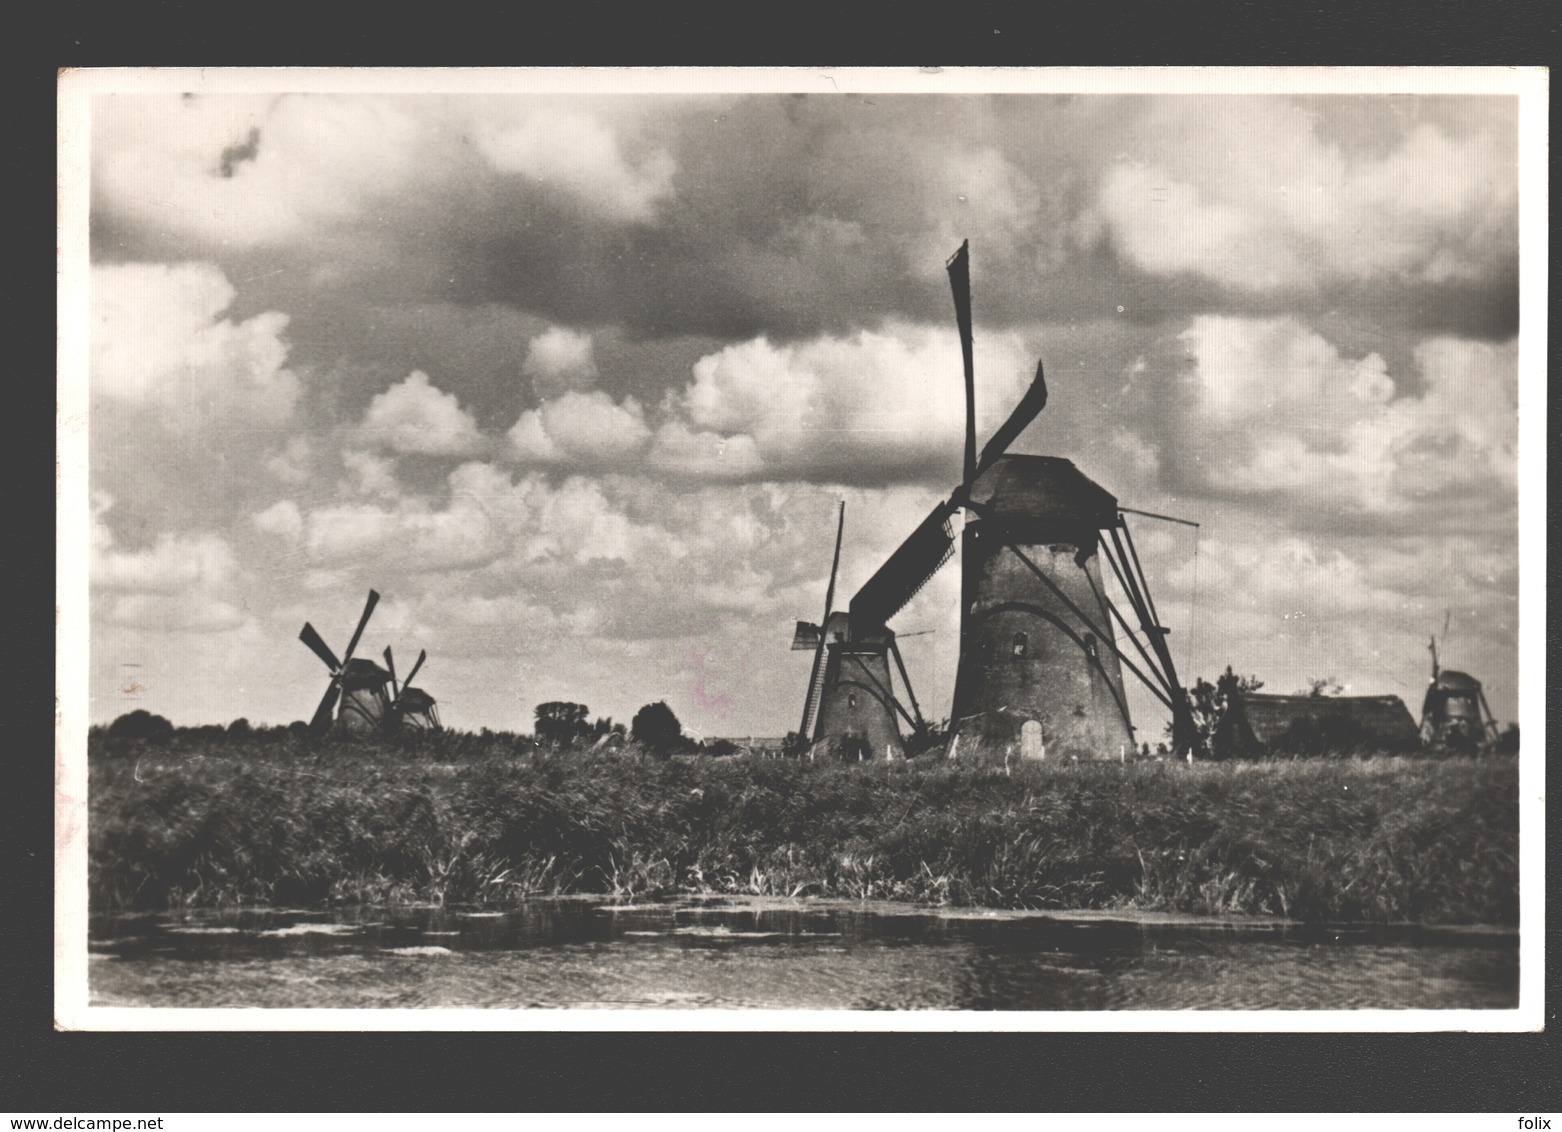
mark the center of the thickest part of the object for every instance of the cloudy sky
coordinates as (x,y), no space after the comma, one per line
(575,381)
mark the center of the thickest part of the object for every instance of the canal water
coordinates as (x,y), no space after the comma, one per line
(745,953)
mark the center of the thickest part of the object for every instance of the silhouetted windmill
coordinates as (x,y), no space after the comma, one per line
(1039,667)
(358,684)
(1454,713)
(410,707)
(850,696)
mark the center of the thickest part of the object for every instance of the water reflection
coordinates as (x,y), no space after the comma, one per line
(778,954)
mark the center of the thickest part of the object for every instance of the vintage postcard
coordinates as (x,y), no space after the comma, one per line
(801,549)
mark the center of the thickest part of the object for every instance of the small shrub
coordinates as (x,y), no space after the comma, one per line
(141,724)
(657,728)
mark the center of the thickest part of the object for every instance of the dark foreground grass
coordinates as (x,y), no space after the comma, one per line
(238,821)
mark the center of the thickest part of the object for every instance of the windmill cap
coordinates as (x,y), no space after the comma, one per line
(1042,490)
(360,673)
(415,699)
(1457,681)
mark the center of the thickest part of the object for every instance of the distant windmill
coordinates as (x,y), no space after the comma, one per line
(850,695)
(1039,664)
(410,707)
(1454,713)
(358,684)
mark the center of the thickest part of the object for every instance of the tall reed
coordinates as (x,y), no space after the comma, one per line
(246,819)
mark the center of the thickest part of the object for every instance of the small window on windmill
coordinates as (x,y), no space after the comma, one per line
(851,699)
(1090,645)
(1021,644)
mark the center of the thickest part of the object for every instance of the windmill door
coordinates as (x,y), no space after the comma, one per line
(1031,746)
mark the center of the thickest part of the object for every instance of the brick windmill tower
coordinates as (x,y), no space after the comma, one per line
(851,706)
(1033,667)
(1041,669)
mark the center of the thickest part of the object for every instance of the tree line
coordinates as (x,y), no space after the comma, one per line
(559,724)
(563,724)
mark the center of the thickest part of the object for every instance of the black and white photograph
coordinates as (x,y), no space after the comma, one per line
(801,549)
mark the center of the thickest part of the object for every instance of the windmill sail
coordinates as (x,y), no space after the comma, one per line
(815,694)
(322,717)
(805,636)
(959,267)
(390,666)
(906,571)
(312,638)
(932,543)
(422,656)
(1029,408)
(368,608)
(816,675)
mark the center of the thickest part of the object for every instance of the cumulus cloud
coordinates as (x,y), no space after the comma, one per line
(370,474)
(159,342)
(580,156)
(408,534)
(1269,407)
(1291,578)
(875,406)
(578,523)
(487,517)
(560,360)
(179,583)
(192,422)
(185,613)
(680,451)
(581,430)
(613,558)
(1461,432)
(281,519)
(415,540)
(172,565)
(416,418)
(1251,194)
(978,194)
(292,463)
(574,521)
(246,171)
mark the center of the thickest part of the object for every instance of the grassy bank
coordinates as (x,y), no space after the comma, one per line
(284,820)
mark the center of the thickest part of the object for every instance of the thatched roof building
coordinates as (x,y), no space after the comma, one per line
(1256,725)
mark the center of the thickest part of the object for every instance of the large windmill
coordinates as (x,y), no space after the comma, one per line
(1040,670)
(850,697)
(410,707)
(359,684)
